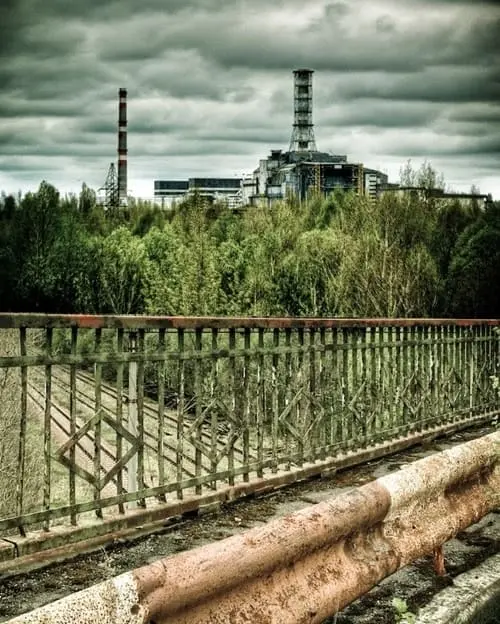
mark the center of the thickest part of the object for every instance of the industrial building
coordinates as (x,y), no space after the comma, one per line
(304,170)
(298,172)
(436,195)
(212,189)
(301,171)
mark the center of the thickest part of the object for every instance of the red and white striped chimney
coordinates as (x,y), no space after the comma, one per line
(122,148)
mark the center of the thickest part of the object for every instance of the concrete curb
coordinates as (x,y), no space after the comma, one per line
(469,594)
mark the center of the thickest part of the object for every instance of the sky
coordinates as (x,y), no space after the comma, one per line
(210,87)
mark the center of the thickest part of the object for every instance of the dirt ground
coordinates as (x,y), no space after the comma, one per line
(415,583)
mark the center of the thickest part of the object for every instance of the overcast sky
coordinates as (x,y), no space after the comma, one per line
(210,86)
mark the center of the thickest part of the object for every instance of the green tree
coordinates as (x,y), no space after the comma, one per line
(122,269)
(144,215)
(452,218)
(472,284)
(163,282)
(39,227)
(231,268)
(87,200)
(7,206)
(200,279)
(425,177)
(386,268)
(306,277)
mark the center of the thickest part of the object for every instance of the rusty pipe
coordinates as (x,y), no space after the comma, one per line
(310,564)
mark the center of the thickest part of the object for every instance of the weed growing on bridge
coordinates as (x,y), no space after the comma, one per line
(401,612)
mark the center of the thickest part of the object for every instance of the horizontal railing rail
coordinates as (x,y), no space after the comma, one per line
(307,566)
(100,414)
(16,320)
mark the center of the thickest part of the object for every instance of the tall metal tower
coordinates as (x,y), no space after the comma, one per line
(303,130)
(110,189)
(122,148)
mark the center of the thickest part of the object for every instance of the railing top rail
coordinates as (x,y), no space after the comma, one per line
(132,322)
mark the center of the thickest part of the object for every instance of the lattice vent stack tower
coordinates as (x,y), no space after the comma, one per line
(303,129)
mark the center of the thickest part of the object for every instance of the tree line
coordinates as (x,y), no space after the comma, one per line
(340,255)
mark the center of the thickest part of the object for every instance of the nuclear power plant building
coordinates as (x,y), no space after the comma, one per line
(299,172)
(303,169)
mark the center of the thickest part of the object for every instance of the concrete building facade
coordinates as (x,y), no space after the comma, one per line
(227,190)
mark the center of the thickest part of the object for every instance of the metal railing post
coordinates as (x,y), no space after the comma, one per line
(132,417)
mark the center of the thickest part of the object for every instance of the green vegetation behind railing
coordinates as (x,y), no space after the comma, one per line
(340,255)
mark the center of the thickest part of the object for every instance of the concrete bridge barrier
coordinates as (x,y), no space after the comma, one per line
(308,565)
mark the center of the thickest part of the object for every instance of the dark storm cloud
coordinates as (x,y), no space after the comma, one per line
(382,115)
(482,116)
(235,136)
(27,31)
(488,3)
(385,24)
(435,84)
(230,46)
(23,169)
(18,139)
(210,88)
(56,149)
(11,107)
(485,146)
(97,10)
(207,147)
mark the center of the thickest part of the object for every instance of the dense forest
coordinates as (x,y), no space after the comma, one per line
(342,255)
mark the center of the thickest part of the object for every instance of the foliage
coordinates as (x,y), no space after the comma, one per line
(87,200)
(385,267)
(475,268)
(338,255)
(122,266)
(401,611)
(425,177)
(163,283)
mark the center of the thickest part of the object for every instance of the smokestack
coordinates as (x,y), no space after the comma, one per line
(122,148)
(303,130)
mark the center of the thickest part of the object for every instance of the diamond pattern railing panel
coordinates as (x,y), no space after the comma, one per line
(124,411)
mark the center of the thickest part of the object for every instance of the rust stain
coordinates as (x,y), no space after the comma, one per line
(8,320)
(438,556)
(88,321)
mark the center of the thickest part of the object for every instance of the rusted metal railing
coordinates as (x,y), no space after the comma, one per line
(115,412)
(306,566)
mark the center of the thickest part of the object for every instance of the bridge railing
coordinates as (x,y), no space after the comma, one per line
(110,412)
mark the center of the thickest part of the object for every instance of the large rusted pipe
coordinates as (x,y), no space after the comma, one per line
(309,565)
